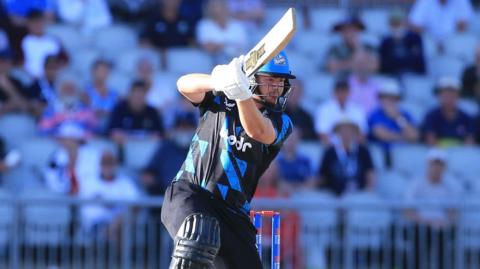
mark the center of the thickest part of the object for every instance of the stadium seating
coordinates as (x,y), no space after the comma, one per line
(391,185)
(418,89)
(82,61)
(139,152)
(323,19)
(314,152)
(187,60)
(376,21)
(120,82)
(6,219)
(113,41)
(69,36)
(15,128)
(409,159)
(462,46)
(46,223)
(318,88)
(464,162)
(127,62)
(445,65)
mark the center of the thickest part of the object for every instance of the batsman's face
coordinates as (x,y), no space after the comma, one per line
(270,87)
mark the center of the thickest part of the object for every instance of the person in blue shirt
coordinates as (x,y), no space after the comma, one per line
(295,168)
(447,124)
(389,124)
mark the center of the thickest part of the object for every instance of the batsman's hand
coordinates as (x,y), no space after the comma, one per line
(231,80)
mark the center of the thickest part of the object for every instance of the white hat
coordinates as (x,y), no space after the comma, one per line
(389,87)
(447,82)
(436,154)
(345,120)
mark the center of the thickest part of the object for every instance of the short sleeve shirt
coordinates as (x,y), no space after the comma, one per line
(223,159)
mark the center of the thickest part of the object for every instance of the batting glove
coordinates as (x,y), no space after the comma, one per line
(231,80)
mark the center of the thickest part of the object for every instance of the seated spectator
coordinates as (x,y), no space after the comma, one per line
(37,45)
(336,108)
(219,34)
(107,184)
(296,173)
(437,219)
(72,163)
(401,51)
(170,155)
(43,90)
(160,95)
(448,125)
(134,118)
(471,78)
(346,165)
(363,86)
(99,96)
(12,93)
(67,107)
(389,124)
(341,55)
(89,15)
(8,159)
(251,12)
(301,119)
(167,28)
(440,18)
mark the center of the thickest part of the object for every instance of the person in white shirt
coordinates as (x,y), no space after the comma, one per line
(433,222)
(249,11)
(434,189)
(337,108)
(37,46)
(106,185)
(88,14)
(441,18)
(219,34)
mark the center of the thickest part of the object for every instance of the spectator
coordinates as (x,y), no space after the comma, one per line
(401,51)
(160,94)
(219,34)
(8,160)
(133,118)
(170,155)
(12,93)
(364,88)
(448,125)
(346,165)
(251,12)
(43,90)
(72,163)
(88,14)
(37,45)
(106,185)
(389,124)
(168,28)
(440,18)
(434,222)
(301,119)
(67,107)
(340,57)
(336,108)
(471,78)
(99,96)
(295,170)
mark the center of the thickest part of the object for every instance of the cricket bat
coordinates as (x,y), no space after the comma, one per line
(272,43)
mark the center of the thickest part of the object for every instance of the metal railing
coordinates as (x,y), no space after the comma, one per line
(53,233)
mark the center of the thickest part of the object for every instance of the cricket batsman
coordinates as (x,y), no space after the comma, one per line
(206,207)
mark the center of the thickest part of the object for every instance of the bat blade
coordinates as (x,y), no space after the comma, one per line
(272,43)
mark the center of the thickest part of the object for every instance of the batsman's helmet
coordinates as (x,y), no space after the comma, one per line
(277,67)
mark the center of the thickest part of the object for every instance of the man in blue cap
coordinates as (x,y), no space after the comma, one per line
(206,207)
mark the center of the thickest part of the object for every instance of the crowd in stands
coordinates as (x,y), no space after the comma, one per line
(56,67)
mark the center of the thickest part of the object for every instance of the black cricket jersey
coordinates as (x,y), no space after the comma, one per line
(223,159)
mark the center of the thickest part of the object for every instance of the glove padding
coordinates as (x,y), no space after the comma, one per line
(231,80)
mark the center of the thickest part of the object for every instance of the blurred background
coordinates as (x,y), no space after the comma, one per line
(381,171)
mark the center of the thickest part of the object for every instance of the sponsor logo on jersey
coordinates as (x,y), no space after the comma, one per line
(228,105)
(239,144)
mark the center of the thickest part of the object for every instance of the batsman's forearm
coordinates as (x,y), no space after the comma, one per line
(255,124)
(194,86)
(195,83)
